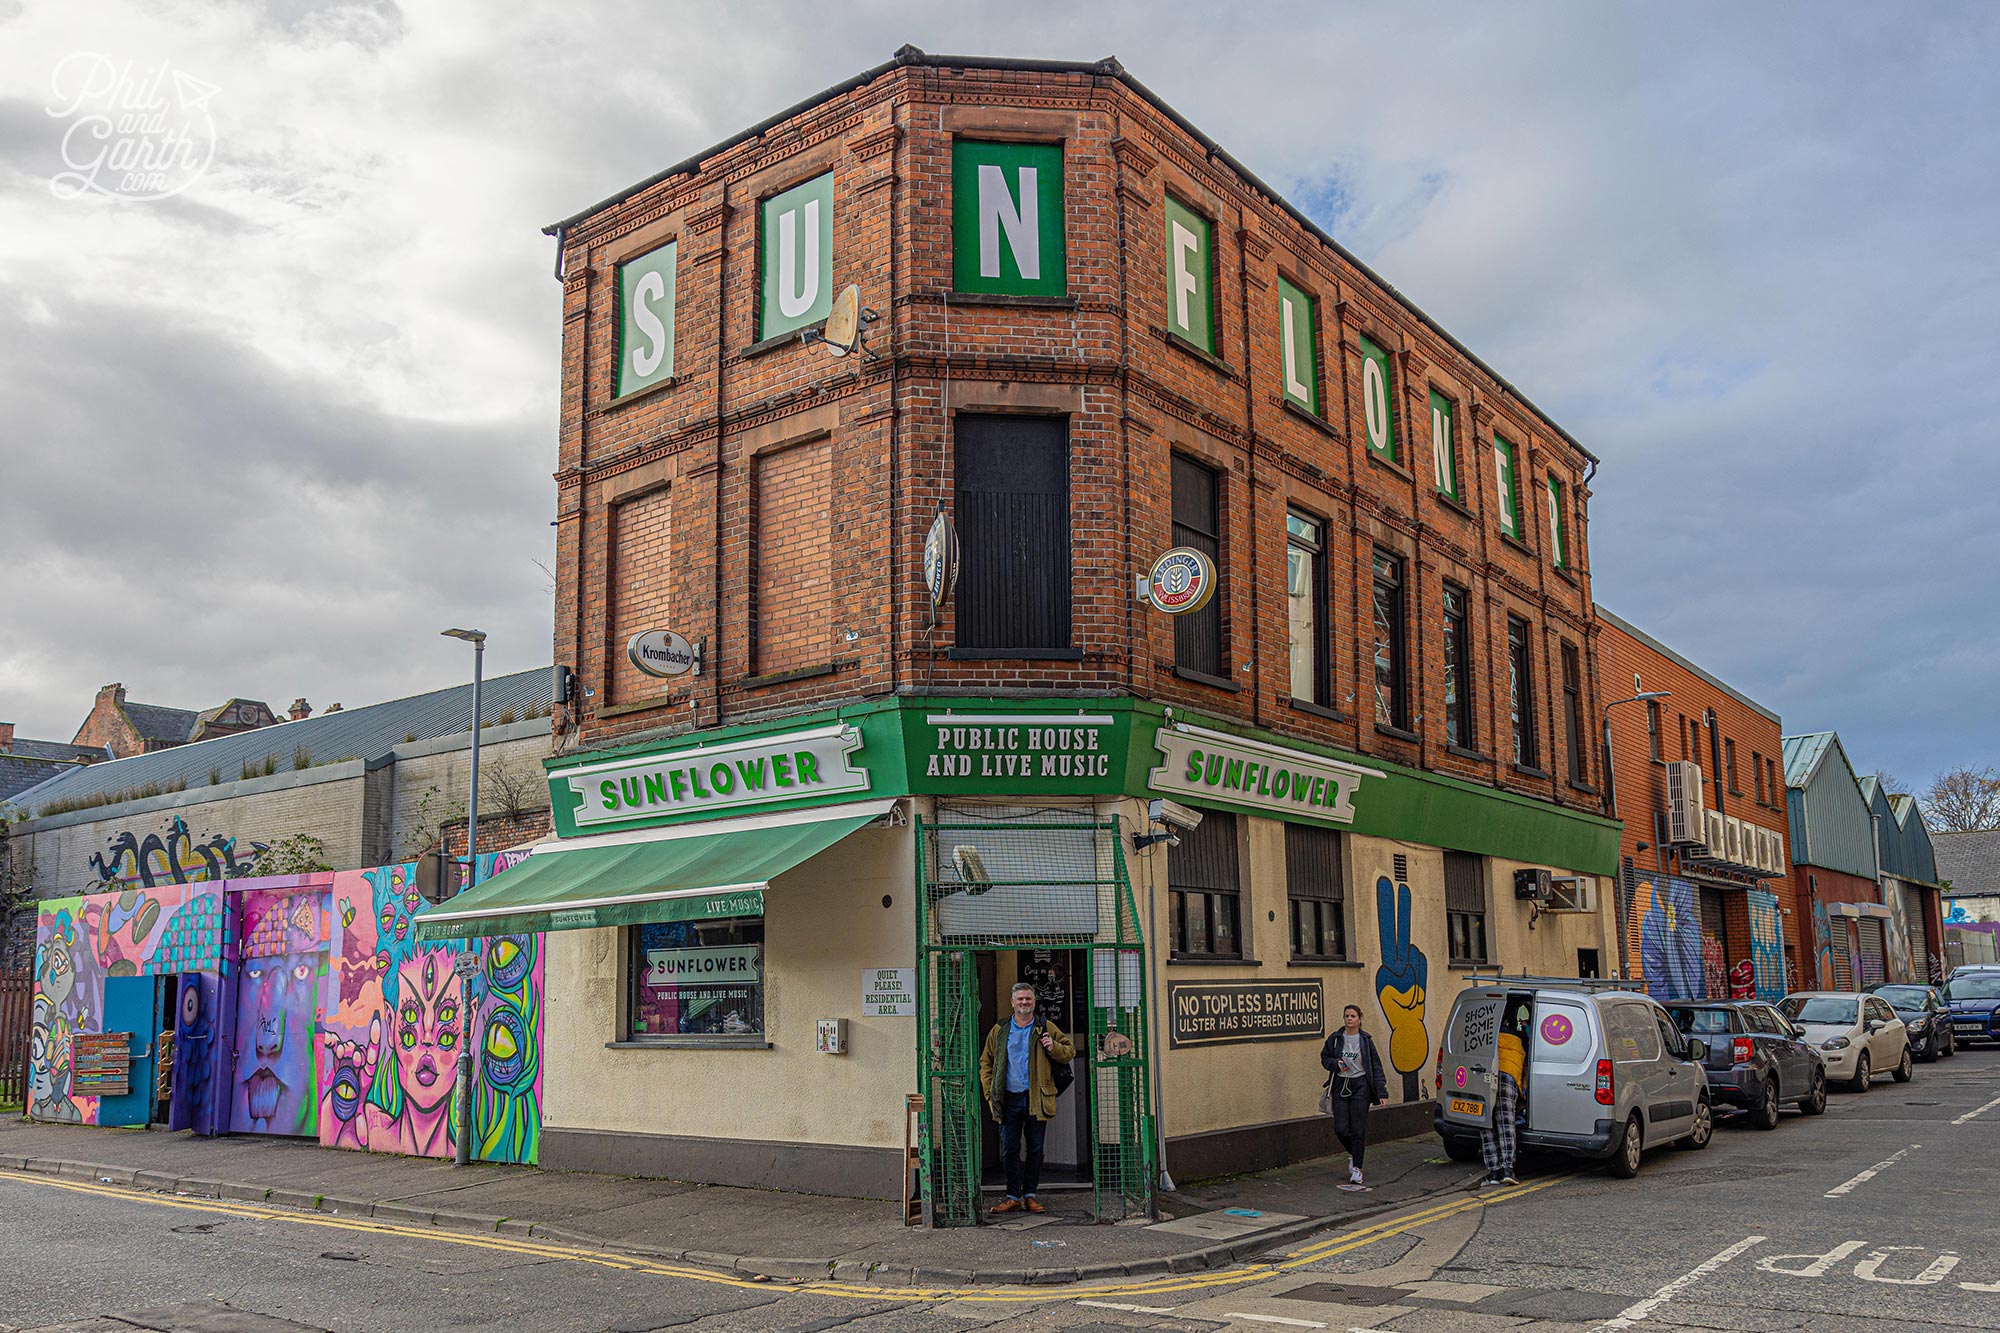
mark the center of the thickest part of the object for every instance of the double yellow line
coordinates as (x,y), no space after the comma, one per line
(1238,1276)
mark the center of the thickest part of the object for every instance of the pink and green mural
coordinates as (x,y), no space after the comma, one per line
(298,1005)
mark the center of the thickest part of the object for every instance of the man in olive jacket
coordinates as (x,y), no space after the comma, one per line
(1019,1085)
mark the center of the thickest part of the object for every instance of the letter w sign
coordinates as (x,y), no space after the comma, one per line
(1007,219)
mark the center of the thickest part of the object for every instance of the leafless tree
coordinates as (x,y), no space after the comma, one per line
(1962,800)
(1890,784)
(509,790)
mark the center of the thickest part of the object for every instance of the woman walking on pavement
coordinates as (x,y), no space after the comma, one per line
(1354,1081)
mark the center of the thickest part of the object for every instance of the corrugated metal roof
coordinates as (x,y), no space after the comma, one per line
(353,733)
(1802,756)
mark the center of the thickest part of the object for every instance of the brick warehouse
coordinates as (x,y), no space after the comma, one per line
(1710,914)
(1099,337)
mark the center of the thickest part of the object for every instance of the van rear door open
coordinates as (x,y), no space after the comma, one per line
(1471,1059)
(1562,1067)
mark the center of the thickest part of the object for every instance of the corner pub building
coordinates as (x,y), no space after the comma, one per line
(794,882)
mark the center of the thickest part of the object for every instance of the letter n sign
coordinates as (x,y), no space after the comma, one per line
(1007,219)
(646,319)
(795,257)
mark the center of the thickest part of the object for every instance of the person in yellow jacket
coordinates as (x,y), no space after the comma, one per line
(1497,1141)
(1018,1081)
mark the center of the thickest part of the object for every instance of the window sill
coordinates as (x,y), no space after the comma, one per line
(1529,770)
(1452,502)
(1324,962)
(1199,353)
(1734,792)
(1398,733)
(1015,654)
(1562,572)
(1215,962)
(643,705)
(1473,755)
(691,1044)
(1005,298)
(1203,678)
(1457,966)
(1516,542)
(1317,710)
(1310,417)
(1584,787)
(786,677)
(1661,762)
(1381,460)
(626,400)
(769,345)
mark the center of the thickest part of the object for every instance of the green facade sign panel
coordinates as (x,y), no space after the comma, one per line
(1007,219)
(1299,338)
(795,257)
(1378,399)
(1510,493)
(1444,461)
(646,319)
(1190,275)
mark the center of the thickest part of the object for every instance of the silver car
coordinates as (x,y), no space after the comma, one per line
(1859,1035)
(1608,1073)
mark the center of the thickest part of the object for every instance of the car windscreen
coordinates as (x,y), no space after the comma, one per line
(1981,986)
(1903,997)
(1699,1022)
(1820,1009)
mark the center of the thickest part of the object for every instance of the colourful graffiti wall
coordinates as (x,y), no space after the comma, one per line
(1665,937)
(1767,945)
(304,1006)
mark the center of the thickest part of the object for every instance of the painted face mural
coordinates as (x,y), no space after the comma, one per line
(49,1065)
(276,997)
(425,1028)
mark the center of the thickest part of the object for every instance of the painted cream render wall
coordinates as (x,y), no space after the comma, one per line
(823,923)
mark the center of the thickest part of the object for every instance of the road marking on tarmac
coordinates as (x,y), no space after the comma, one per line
(1638,1313)
(1038,1295)
(1981,1111)
(1871,1172)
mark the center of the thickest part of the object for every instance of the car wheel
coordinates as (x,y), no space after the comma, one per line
(1815,1102)
(1764,1115)
(1905,1067)
(1461,1150)
(1931,1048)
(1704,1128)
(1625,1162)
(1950,1044)
(1862,1073)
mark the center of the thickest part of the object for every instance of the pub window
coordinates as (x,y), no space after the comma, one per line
(1317,892)
(1777,792)
(1757,774)
(1197,524)
(1457,669)
(1013,595)
(695,979)
(1306,605)
(1653,728)
(1579,770)
(1203,901)
(1465,907)
(1521,692)
(1392,707)
(1687,750)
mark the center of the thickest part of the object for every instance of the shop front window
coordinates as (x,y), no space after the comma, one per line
(696,979)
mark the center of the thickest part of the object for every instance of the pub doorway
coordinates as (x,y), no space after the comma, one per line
(1061,981)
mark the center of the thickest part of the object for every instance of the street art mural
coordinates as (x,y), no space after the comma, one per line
(1665,936)
(1897,943)
(1767,945)
(1399,986)
(174,859)
(1823,975)
(303,1005)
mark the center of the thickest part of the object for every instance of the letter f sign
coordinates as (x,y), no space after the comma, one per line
(1183,249)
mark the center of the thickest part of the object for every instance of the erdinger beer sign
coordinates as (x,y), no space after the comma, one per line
(1182,581)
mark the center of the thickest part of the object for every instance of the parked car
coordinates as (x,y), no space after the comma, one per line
(1756,1059)
(1927,1016)
(1858,1035)
(1972,995)
(1608,1073)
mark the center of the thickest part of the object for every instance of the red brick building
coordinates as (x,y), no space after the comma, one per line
(126,728)
(1709,907)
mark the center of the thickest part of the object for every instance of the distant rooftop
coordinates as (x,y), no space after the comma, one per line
(1971,861)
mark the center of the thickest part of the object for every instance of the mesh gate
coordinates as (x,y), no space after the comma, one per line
(1049,882)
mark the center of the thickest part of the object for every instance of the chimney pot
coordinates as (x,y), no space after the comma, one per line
(300,710)
(333,708)
(6,737)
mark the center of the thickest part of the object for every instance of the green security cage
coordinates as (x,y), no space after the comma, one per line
(1052,881)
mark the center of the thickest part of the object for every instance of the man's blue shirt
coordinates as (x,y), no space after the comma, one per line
(1020,1042)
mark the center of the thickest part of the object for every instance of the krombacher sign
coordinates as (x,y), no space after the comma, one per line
(1213,764)
(728,776)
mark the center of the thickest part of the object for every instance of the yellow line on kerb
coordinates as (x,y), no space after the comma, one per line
(1237,1276)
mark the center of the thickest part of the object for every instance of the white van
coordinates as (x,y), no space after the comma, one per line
(1608,1075)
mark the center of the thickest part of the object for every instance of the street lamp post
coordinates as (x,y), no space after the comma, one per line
(1640,695)
(462,1153)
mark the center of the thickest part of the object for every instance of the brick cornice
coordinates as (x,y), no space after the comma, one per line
(876,142)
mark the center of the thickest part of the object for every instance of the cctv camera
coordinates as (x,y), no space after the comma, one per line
(1168,812)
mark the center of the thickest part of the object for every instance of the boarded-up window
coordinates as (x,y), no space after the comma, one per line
(1317,892)
(792,615)
(641,583)
(1198,524)
(1013,595)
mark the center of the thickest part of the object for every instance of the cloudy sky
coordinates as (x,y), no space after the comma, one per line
(267,435)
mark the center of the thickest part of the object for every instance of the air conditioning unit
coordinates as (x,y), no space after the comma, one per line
(1572,893)
(1781,860)
(1532,885)
(1717,835)
(1684,804)
(1732,839)
(1767,852)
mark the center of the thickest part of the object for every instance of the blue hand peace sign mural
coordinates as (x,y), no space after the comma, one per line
(1399,985)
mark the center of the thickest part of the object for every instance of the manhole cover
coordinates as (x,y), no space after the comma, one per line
(1340,1293)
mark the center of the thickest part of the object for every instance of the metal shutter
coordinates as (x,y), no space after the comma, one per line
(1013,531)
(1921,968)
(1873,956)
(1843,961)
(1197,524)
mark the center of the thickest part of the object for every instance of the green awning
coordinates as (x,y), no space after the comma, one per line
(685,873)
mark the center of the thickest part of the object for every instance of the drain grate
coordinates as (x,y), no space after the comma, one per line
(1341,1293)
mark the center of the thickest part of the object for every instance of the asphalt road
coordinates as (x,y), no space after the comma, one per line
(1883,1215)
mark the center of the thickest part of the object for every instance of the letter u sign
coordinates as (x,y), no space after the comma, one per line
(795,257)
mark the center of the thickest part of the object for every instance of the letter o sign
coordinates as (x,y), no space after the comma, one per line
(1375,401)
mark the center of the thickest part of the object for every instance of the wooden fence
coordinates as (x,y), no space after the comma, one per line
(17,1016)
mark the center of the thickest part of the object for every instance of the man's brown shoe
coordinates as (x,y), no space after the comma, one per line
(1035,1205)
(1008,1206)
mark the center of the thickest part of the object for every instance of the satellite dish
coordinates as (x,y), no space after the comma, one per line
(843,324)
(971,869)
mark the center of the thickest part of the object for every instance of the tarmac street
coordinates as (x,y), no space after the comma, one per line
(1878,1216)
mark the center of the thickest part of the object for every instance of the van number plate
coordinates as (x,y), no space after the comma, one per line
(1460,1106)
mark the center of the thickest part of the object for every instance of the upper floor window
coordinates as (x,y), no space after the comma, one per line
(1007,219)
(1198,524)
(1510,493)
(1652,728)
(1190,275)
(1392,707)
(1573,728)
(1298,333)
(1444,452)
(1521,692)
(1457,669)
(1558,548)
(795,257)
(1757,774)
(646,320)
(1012,496)
(1378,399)
(1729,764)
(1306,610)
(1777,792)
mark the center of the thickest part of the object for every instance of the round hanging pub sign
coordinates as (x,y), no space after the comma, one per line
(1182,581)
(941,559)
